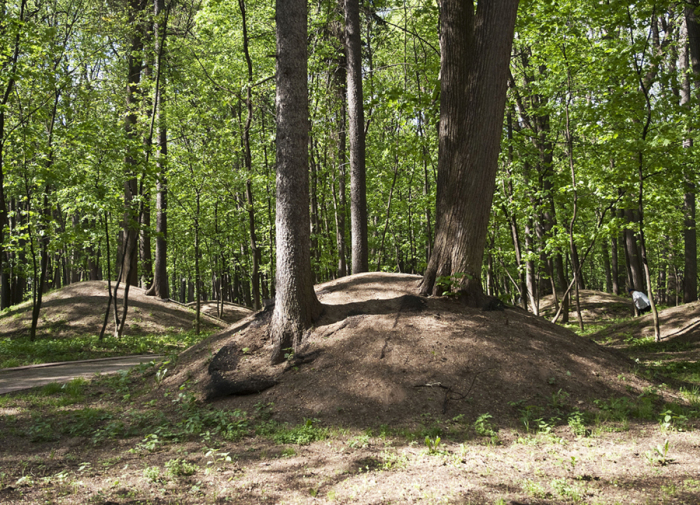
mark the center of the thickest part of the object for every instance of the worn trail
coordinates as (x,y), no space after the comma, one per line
(26,377)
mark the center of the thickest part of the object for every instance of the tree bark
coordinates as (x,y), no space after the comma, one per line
(255,274)
(9,66)
(689,57)
(633,260)
(356,120)
(475,54)
(296,305)
(615,272)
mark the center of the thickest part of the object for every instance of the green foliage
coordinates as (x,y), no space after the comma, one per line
(484,428)
(180,468)
(21,351)
(659,454)
(302,434)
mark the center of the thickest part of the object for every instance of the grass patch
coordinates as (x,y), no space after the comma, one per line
(21,351)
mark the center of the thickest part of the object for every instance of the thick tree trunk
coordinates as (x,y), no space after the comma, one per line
(356,117)
(475,54)
(633,260)
(296,305)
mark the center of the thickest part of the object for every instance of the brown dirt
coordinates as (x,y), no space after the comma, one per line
(385,355)
(78,309)
(596,306)
(677,324)
(232,312)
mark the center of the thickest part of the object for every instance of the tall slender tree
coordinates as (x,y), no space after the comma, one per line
(356,120)
(296,305)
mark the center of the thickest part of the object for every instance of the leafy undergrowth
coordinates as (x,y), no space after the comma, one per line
(20,351)
(124,438)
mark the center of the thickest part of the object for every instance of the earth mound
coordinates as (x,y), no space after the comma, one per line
(596,306)
(227,312)
(382,354)
(78,309)
(679,324)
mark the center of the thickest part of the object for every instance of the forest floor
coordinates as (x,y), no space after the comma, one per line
(392,398)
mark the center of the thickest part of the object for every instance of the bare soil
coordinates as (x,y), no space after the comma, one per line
(78,309)
(380,354)
(596,307)
(676,324)
(231,313)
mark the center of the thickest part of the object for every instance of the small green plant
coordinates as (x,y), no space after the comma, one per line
(152,473)
(361,441)
(432,444)
(484,428)
(558,400)
(160,374)
(528,416)
(659,454)
(179,468)
(670,420)
(449,284)
(535,489)
(566,490)
(300,435)
(150,443)
(577,424)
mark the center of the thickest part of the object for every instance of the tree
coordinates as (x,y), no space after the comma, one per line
(160,286)
(692,57)
(356,120)
(475,45)
(296,305)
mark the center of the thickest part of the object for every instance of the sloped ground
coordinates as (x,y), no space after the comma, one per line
(676,356)
(677,324)
(231,313)
(382,354)
(78,309)
(596,307)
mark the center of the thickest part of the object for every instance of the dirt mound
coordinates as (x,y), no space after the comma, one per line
(596,306)
(78,309)
(677,324)
(382,354)
(231,313)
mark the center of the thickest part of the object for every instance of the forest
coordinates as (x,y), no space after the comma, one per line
(134,121)
(284,251)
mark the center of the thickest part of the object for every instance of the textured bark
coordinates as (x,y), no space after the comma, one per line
(614,267)
(8,66)
(296,305)
(341,205)
(255,274)
(633,260)
(606,267)
(160,286)
(131,217)
(475,53)
(356,120)
(689,58)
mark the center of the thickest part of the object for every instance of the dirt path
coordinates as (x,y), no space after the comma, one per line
(26,377)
